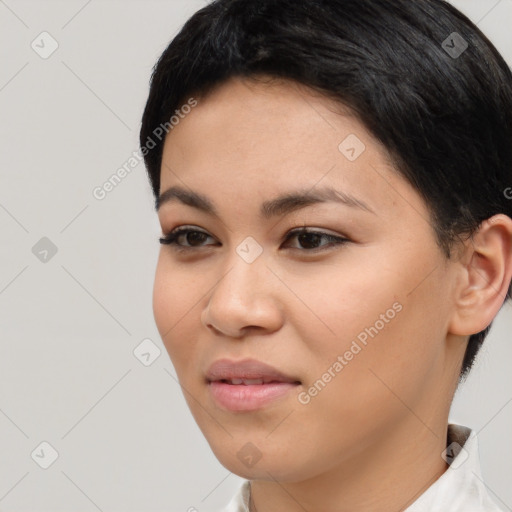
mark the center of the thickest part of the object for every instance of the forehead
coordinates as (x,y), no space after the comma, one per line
(259,138)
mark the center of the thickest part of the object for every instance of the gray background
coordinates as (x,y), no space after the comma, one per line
(69,326)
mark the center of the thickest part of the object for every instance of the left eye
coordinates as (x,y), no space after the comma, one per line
(311,238)
(308,239)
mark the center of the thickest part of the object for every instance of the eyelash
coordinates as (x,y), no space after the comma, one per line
(172,237)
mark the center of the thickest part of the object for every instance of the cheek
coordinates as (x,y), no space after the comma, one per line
(388,331)
(340,301)
(164,300)
(174,303)
(176,291)
(367,393)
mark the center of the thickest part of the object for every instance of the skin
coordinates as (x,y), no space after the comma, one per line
(372,439)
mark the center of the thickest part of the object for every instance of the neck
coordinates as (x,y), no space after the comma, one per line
(389,475)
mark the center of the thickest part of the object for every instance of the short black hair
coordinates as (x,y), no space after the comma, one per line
(421,77)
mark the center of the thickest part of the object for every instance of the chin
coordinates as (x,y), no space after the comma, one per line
(250,463)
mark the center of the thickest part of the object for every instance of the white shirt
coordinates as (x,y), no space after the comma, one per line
(458,489)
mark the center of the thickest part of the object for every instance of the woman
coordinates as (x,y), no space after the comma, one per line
(332,179)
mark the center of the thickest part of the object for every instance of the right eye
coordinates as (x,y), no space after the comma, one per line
(193,237)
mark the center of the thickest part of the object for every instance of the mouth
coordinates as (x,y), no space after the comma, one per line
(248,384)
(250,371)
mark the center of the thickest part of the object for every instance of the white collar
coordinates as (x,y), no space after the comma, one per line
(459,489)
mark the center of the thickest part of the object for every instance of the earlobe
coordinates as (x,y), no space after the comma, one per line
(486,275)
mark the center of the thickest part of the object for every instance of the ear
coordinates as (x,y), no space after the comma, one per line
(486,272)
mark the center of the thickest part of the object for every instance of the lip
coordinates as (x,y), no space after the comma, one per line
(246,397)
(227,369)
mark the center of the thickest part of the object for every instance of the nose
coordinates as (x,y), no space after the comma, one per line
(245,298)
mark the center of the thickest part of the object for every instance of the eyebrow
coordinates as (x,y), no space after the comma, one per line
(281,205)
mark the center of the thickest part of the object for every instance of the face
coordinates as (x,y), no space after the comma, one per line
(353,313)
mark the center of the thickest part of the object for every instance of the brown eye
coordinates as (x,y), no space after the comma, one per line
(310,240)
(185,238)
